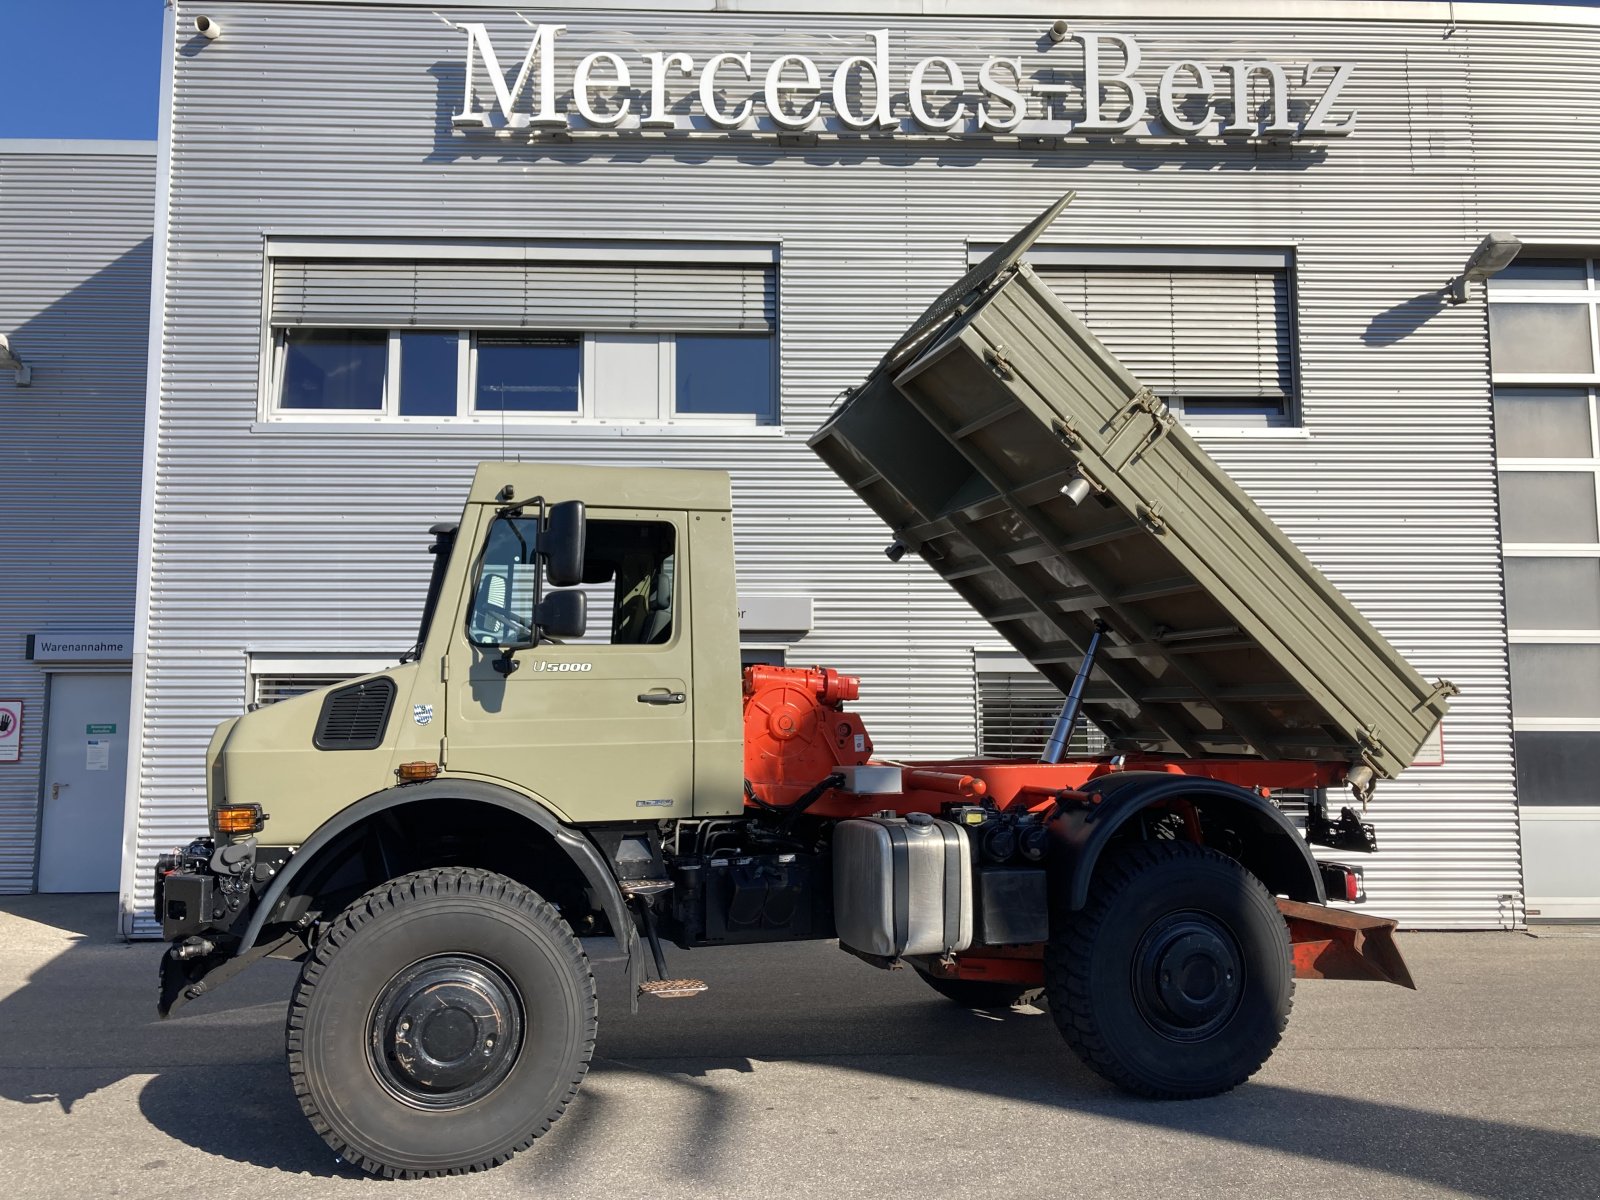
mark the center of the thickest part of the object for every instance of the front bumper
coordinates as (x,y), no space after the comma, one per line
(204,895)
(201,889)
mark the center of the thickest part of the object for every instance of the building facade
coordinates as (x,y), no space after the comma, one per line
(76,222)
(398,239)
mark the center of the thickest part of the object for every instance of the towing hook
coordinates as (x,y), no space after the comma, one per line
(192,947)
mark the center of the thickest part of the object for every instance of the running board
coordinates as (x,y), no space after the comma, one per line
(1333,943)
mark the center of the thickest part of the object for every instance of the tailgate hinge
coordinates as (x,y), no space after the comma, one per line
(995,356)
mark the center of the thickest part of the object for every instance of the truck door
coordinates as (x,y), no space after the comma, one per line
(602,726)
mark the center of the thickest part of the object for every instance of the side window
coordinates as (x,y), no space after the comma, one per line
(629,570)
(502,603)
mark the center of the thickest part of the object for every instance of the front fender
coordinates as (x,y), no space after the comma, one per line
(1272,848)
(577,847)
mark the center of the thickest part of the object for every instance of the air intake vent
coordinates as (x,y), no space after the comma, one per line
(355,717)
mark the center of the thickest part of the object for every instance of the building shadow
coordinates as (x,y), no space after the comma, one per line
(219,1083)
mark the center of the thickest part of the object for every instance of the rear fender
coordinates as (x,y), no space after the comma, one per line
(1270,846)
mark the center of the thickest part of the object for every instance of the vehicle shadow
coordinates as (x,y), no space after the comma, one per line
(85,1019)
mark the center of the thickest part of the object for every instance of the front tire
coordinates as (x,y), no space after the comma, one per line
(443,1022)
(1176,981)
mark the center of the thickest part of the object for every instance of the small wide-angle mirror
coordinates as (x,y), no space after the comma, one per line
(563,543)
(563,614)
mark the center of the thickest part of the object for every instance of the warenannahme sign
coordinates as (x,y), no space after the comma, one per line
(1095,83)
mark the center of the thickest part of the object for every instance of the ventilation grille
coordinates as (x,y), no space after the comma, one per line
(270,689)
(1016,712)
(355,717)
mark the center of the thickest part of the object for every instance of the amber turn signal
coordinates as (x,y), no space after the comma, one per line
(417,770)
(240,818)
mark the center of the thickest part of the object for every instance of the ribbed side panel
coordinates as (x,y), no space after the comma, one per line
(75,234)
(322,119)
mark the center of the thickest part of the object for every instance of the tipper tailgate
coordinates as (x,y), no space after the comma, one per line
(1225,639)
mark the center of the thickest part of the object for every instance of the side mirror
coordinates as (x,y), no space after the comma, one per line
(563,543)
(563,614)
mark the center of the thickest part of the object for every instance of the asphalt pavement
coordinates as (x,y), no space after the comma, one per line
(804,1072)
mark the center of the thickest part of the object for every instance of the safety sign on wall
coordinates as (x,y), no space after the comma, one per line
(10,731)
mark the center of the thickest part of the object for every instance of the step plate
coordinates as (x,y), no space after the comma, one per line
(672,989)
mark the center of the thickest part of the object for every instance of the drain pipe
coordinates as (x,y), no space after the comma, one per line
(1056,748)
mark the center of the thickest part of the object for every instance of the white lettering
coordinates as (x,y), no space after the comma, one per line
(919,108)
(581,85)
(658,116)
(1002,91)
(775,88)
(1317,122)
(878,64)
(1243,119)
(796,89)
(1095,81)
(544,46)
(1166,99)
(708,91)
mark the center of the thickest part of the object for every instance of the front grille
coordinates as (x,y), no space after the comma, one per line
(355,717)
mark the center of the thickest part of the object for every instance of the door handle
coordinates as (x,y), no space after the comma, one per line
(55,790)
(662,698)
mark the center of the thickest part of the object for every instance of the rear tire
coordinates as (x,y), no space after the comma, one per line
(981,993)
(1176,981)
(442,1023)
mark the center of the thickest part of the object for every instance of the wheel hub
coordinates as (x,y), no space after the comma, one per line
(1188,976)
(445,1031)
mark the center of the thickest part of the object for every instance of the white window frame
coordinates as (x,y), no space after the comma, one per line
(1507,293)
(298,245)
(666,413)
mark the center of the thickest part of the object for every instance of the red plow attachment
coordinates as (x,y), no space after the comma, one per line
(1332,943)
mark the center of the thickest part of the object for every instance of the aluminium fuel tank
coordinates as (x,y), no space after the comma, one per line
(1007,447)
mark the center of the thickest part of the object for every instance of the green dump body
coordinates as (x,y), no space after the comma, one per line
(971,440)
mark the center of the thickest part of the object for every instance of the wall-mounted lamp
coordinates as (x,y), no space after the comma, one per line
(10,362)
(207,28)
(1493,255)
(1058,32)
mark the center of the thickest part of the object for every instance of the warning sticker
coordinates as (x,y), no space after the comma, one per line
(10,731)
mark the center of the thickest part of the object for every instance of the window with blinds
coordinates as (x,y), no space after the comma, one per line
(570,297)
(1016,712)
(1209,331)
(507,338)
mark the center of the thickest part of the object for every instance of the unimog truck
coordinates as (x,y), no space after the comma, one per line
(571,751)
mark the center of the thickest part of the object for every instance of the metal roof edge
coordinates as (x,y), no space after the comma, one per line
(1428,11)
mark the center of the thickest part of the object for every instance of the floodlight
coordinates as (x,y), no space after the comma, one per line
(1493,255)
(10,362)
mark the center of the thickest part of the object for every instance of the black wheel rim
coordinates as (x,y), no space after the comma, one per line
(1188,976)
(445,1031)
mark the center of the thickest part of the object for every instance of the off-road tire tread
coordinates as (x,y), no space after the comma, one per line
(440,881)
(1066,967)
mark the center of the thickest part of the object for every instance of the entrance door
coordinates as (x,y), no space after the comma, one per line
(603,726)
(85,781)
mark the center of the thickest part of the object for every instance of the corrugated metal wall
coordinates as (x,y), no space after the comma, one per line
(75,235)
(318,118)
